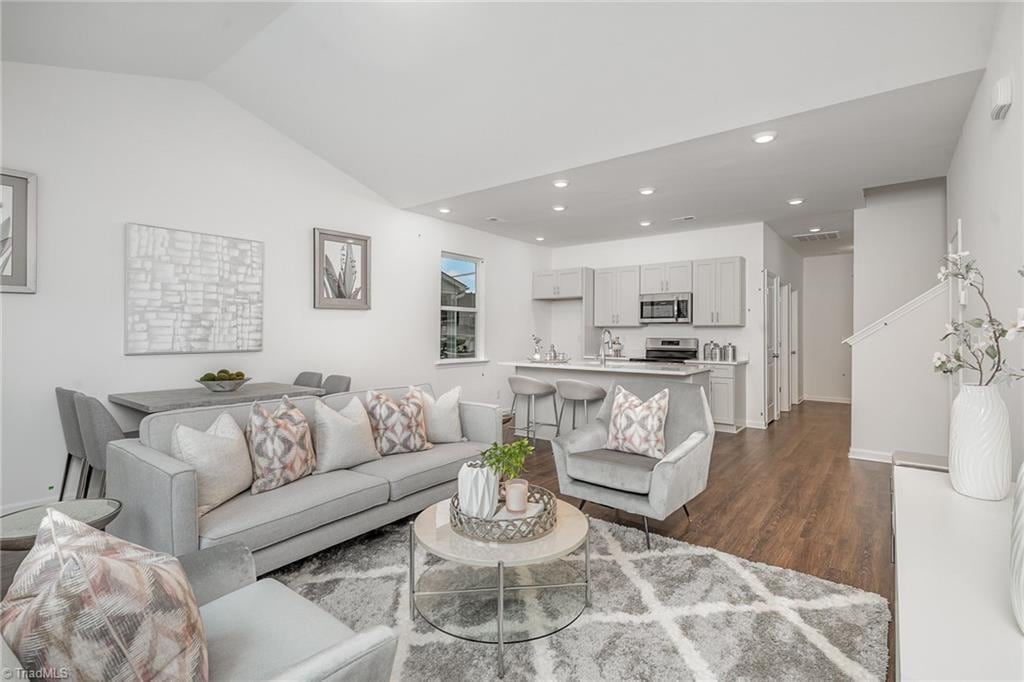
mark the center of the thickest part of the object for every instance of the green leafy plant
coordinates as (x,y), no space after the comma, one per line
(508,459)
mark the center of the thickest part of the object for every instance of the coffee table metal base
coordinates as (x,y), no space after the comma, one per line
(497,604)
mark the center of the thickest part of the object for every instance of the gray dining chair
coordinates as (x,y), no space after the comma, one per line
(72,438)
(311,379)
(337,383)
(98,427)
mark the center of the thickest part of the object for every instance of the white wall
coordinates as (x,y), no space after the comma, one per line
(900,235)
(780,258)
(735,240)
(985,185)
(828,311)
(110,149)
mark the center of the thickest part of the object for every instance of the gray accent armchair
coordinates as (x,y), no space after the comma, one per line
(261,630)
(639,484)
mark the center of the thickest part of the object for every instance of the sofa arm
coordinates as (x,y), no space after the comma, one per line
(159,498)
(481,422)
(219,570)
(367,656)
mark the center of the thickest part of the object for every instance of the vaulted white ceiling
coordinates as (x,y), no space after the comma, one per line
(429,102)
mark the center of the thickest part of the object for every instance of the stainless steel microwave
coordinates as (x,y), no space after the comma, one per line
(666,308)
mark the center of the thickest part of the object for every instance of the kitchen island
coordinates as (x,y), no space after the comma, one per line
(605,376)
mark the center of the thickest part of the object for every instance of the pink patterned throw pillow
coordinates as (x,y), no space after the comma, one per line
(280,446)
(398,426)
(638,426)
(86,605)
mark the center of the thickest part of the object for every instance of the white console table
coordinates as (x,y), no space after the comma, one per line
(953,615)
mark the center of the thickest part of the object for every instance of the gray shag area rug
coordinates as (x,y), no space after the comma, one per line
(674,612)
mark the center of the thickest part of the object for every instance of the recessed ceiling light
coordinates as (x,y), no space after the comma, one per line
(560,183)
(645,223)
(558,207)
(795,201)
(646,191)
(765,136)
(814,229)
(444,209)
(540,239)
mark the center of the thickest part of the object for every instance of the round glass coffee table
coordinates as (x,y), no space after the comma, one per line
(499,592)
(18,529)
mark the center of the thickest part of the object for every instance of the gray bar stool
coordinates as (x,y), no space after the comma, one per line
(531,389)
(574,391)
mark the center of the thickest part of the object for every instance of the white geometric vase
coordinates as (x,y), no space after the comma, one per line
(478,490)
(1017,551)
(979,443)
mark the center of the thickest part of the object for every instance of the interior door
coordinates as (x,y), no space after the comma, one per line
(785,402)
(604,298)
(652,279)
(771,355)
(627,285)
(794,347)
(703,293)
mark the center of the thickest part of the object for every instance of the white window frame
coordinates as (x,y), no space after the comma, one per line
(480,356)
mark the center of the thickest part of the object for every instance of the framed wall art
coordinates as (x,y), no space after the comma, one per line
(188,292)
(341,270)
(17,232)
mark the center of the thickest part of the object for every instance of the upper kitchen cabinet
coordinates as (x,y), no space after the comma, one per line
(557,284)
(663,278)
(617,297)
(719,298)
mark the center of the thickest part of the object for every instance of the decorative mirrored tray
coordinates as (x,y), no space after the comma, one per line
(538,520)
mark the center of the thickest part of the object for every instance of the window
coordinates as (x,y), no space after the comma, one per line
(460,308)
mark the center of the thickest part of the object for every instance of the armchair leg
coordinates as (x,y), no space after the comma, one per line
(647,533)
(687,513)
(582,502)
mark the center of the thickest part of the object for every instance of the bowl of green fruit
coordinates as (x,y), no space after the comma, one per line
(223,381)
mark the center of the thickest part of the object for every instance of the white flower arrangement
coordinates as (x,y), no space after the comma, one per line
(977,343)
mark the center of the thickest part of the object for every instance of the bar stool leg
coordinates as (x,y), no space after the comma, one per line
(558,428)
(554,412)
(586,412)
(531,430)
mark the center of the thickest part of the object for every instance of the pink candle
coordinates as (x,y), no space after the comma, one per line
(515,495)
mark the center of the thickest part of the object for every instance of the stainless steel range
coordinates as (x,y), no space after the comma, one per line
(669,350)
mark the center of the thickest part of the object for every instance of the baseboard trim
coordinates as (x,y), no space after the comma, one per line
(18,506)
(756,425)
(871,455)
(826,399)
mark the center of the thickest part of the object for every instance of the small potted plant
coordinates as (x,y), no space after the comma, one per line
(508,461)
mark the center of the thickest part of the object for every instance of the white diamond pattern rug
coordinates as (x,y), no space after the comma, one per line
(674,612)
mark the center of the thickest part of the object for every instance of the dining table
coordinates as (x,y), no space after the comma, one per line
(149,402)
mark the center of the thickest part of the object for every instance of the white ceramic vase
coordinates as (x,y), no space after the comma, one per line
(478,490)
(1017,551)
(979,444)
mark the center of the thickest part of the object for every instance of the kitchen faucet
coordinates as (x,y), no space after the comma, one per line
(606,345)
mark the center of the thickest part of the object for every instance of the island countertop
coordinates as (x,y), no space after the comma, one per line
(613,367)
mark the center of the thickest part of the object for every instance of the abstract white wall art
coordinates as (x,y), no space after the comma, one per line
(17,232)
(188,292)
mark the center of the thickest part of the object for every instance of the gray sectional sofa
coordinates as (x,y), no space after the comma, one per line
(288,523)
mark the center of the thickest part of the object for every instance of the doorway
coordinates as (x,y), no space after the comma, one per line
(795,393)
(771,352)
(785,392)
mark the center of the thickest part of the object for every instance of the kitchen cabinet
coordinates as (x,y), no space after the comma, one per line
(558,284)
(662,278)
(727,396)
(719,298)
(617,297)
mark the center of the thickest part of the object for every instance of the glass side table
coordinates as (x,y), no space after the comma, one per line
(18,529)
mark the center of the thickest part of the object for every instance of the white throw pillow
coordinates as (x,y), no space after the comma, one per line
(442,415)
(220,456)
(342,438)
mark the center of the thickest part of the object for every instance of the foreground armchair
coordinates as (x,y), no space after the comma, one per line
(639,484)
(260,629)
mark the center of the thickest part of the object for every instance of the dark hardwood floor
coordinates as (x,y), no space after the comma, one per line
(787,496)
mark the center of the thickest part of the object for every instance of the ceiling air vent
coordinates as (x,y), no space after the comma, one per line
(817,237)
(683,219)
(494,219)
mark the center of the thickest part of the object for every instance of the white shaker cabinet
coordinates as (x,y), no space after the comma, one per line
(558,284)
(663,278)
(617,297)
(727,395)
(719,298)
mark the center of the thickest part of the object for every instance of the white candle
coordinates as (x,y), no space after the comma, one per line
(515,495)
